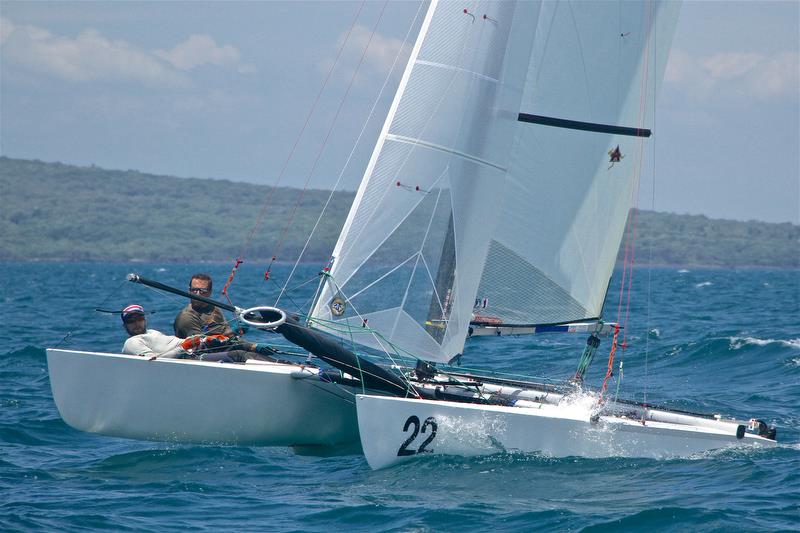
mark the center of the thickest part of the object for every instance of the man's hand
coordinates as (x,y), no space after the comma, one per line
(264,349)
(191,343)
(215,341)
(203,342)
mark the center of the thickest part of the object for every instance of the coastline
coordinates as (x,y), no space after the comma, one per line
(263,261)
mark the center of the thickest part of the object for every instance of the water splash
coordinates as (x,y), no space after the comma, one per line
(703,284)
(580,404)
(472,437)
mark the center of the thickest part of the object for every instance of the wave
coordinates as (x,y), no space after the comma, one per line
(29,352)
(703,284)
(676,517)
(739,342)
(32,431)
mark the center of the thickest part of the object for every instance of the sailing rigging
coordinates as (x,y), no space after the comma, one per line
(523,126)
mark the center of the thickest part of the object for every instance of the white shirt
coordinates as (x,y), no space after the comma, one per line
(153,342)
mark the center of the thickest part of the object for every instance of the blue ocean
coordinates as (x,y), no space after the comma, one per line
(705,340)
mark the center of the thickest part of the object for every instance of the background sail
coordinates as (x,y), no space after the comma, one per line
(412,250)
(565,204)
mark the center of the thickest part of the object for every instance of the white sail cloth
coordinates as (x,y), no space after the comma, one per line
(565,202)
(410,255)
(462,198)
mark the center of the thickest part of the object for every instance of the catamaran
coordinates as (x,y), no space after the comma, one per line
(506,166)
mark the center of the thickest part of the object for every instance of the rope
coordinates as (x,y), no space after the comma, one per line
(619,381)
(324,142)
(67,338)
(626,284)
(350,155)
(262,212)
(610,368)
(650,247)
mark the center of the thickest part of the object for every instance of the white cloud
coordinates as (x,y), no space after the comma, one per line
(729,66)
(92,57)
(199,50)
(744,75)
(379,56)
(382,50)
(6,28)
(778,75)
(88,57)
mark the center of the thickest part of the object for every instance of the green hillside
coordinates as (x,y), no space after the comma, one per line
(62,212)
(698,240)
(57,212)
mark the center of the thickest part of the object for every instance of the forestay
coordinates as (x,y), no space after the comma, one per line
(410,255)
(590,88)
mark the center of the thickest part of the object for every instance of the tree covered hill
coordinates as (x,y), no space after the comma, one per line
(57,212)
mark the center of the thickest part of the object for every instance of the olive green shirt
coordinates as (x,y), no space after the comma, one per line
(190,322)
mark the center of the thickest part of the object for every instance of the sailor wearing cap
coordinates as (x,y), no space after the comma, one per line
(147,342)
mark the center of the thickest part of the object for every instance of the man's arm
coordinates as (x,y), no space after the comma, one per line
(221,326)
(136,346)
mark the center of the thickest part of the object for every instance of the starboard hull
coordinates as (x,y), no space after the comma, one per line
(263,404)
(394,430)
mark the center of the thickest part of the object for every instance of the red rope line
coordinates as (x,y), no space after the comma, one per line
(638,169)
(268,200)
(324,143)
(629,258)
(610,368)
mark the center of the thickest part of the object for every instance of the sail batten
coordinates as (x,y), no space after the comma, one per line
(584,126)
(420,142)
(454,68)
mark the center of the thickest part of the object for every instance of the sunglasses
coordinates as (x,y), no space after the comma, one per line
(198,290)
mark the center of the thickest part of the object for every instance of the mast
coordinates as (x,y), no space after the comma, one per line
(439,311)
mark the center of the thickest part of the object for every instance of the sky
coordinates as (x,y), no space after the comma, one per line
(232,90)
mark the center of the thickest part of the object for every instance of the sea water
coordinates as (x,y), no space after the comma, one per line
(707,340)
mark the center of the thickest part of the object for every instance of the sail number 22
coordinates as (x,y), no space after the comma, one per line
(414,421)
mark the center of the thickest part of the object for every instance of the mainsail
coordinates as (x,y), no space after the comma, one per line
(578,148)
(410,255)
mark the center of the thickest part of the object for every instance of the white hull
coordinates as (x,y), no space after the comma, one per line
(386,426)
(264,404)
